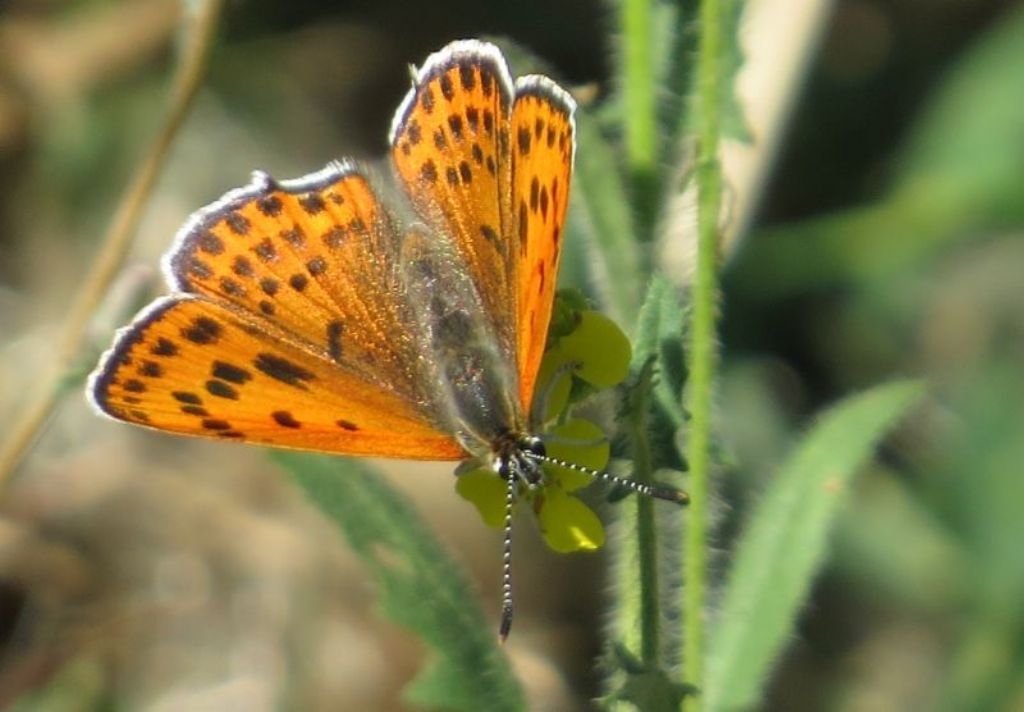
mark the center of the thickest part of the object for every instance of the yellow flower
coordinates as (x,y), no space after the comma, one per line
(597,354)
(565,521)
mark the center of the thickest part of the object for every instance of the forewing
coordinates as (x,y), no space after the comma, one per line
(193,366)
(450,148)
(543,147)
(317,257)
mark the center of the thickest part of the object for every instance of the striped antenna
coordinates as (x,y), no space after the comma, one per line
(658,491)
(506,570)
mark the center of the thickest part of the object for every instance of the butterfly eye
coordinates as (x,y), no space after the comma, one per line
(533,445)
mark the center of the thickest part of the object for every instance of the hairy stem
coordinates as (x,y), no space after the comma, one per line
(703,347)
(639,108)
(646,541)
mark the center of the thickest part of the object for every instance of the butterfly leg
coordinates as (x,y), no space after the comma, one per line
(539,408)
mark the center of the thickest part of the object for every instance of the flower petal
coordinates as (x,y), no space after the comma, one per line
(486,490)
(567,524)
(600,347)
(583,452)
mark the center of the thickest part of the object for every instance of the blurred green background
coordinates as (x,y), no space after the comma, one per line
(138,570)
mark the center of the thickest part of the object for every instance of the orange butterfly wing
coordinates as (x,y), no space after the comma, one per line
(301,275)
(454,145)
(450,147)
(543,149)
(311,268)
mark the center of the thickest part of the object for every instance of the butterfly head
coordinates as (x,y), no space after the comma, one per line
(518,457)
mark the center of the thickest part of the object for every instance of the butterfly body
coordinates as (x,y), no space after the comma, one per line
(475,390)
(312,314)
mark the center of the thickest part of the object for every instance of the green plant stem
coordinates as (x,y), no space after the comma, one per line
(646,541)
(638,84)
(639,618)
(703,347)
(639,107)
(187,80)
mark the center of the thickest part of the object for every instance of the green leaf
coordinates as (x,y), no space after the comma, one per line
(659,333)
(639,686)
(784,544)
(421,587)
(960,179)
(734,122)
(650,691)
(973,157)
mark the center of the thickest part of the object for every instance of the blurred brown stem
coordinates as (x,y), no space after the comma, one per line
(202,20)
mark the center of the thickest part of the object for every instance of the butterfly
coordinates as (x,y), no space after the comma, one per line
(312,314)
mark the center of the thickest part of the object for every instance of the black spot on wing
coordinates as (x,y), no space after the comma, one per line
(455,124)
(134,385)
(164,347)
(203,330)
(523,136)
(269,206)
(334,332)
(440,140)
(316,266)
(293,236)
(221,389)
(428,171)
(312,203)
(198,268)
(283,370)
(238,223)
(269,285)
(447,88)
(231,287)
(334,237)
(265,250)
(230,372)
(151,369)
(413,132)
(285,419)
(241,266)
(489,234)
(209,243)
(466,77)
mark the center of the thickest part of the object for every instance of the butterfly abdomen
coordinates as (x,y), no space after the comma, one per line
(476,389)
